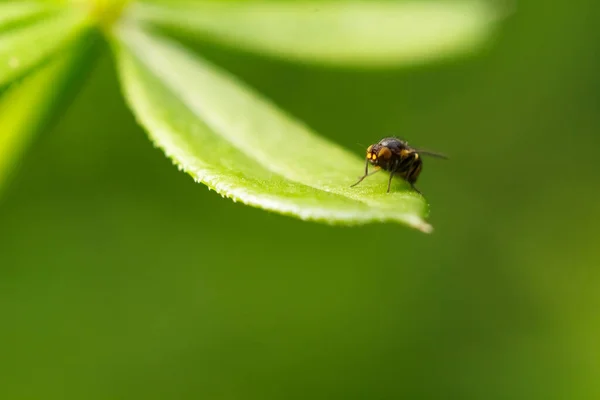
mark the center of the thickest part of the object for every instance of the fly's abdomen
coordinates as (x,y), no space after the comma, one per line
(410,168)
(414,170)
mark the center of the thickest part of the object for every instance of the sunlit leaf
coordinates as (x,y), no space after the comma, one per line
(25,47)
(363,33)
(13,12)
(28,105)
(228,137)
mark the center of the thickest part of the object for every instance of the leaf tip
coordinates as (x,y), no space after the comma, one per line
(420,224)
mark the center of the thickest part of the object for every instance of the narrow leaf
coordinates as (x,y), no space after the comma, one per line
(24,48)
(32,104)
(23,107)
(14,12)
(228,137)
(361,33)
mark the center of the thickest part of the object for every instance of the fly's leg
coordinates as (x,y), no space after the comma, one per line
(367,173)
(392,172)
(390,181)
(415,189)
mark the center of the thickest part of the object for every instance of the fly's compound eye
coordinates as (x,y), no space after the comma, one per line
(370,155)
(385,153)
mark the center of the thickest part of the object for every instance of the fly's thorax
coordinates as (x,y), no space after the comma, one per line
(394,143)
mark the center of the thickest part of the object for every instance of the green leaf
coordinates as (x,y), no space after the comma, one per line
(228,137)
(14,12)
(25,107)
(26,47)
(365,33)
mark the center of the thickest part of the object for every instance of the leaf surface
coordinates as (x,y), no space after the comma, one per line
(360,33)
(228,137)
(25,47)
(14,12)
(27,105)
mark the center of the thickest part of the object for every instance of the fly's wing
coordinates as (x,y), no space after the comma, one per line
(431,153)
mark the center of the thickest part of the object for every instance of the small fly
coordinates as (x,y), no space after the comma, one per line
(396,156)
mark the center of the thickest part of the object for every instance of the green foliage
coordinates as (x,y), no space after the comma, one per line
(23,108)
(122,278)
(14,13)
(212,125)
(369,33)
(29,45)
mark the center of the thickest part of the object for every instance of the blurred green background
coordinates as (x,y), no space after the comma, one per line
(121,278)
